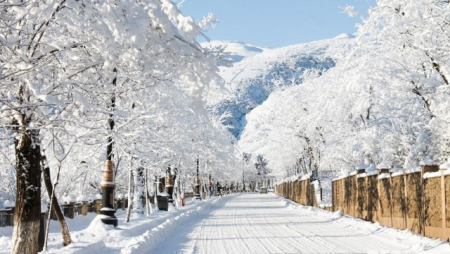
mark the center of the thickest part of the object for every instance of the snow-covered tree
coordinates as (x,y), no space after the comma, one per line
(71,68)
(385,103)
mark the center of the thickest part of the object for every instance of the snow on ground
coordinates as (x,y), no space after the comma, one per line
(238,223)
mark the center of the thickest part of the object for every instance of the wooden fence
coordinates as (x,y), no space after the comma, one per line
(419,201)
(300,191)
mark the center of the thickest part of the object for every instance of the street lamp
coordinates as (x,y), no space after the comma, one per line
(107,185)
(197,183)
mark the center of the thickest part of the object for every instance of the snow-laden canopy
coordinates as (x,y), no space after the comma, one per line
(385,103)
(71,68)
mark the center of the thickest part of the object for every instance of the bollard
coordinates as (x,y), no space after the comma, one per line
(163,203)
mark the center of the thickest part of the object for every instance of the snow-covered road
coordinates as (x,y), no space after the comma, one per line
(236,223)
(258,223)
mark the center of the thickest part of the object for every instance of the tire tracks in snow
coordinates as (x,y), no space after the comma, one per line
(256,223)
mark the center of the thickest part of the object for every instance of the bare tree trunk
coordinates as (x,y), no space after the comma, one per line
(28,199)
(156,192)
(176,189)
(152,190)
(54,203)
(147,200)
(138,190)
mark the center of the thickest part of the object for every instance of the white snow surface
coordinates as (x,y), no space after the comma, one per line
(237,223)
(256,63)
(235,50)
(250,61)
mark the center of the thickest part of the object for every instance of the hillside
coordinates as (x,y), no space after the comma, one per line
(258,71)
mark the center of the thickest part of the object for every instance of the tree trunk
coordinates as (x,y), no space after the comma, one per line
(138,199)
(147,201)
(129,197)
(28,199)
(55,206)
(156,192)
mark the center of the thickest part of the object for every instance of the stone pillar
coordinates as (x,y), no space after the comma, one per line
(84,208)
(108,186)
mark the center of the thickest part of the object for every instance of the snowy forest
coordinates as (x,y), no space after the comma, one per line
(82,82)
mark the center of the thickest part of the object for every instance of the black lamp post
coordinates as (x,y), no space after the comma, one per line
(243,179)
(108,184)
(197,183)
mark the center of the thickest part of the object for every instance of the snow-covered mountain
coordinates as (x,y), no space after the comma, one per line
(258,71)
(235,51)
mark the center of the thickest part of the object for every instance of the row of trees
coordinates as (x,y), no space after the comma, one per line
(385,104)
(77,76)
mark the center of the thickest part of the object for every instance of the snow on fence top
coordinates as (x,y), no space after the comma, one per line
(9,204)
(82,198)
(295,178)
(372,170)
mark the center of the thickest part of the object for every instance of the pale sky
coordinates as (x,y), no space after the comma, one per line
(276,23)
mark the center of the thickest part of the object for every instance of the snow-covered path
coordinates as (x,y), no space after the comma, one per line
(232,224)
(258,223)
